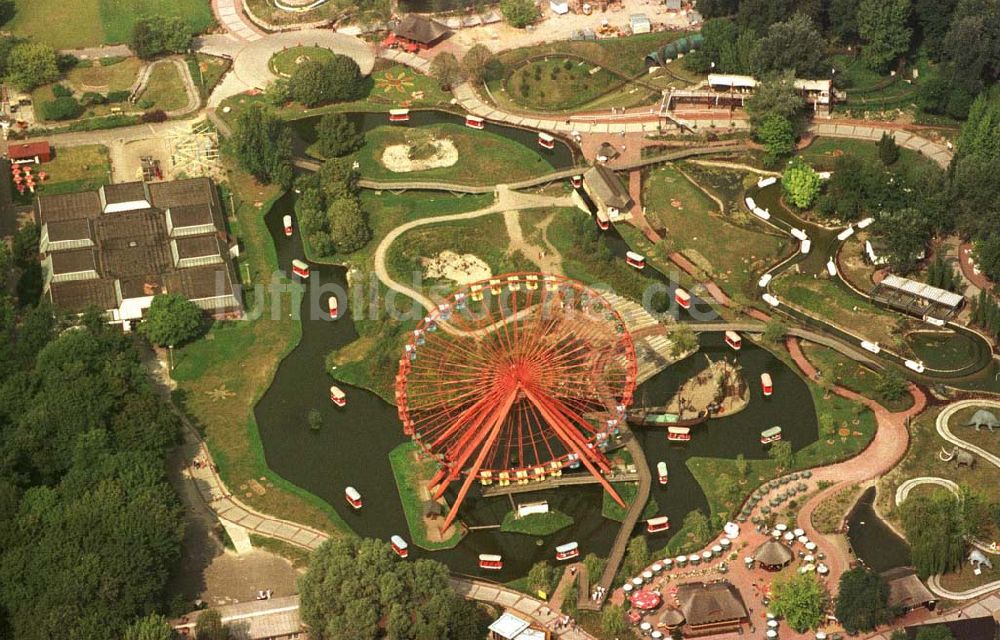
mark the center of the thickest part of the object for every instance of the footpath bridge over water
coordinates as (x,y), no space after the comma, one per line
(571,480)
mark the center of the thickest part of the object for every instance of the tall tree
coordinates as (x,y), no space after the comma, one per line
(776,95)
(151,627)
(801,183)
(32,64)
(156,35)
(933,526)
(842,16)
(262,145)
(862,600)
(519,13)
(172,320)
(352,584)
(795,44)
(348,226)
(337,136)
(933,17)
(801,600)
(884,25)
(447,70)
(480,64)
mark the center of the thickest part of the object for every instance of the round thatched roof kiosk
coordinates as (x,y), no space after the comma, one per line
(772,555)
(672,618)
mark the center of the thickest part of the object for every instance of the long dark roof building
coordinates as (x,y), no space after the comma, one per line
(711,607)
(419,29)
(117,247)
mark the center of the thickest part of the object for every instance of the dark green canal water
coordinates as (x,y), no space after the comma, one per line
(874,543)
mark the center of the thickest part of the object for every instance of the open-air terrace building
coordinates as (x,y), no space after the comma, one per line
(933,304)
(711,607)
(117,247)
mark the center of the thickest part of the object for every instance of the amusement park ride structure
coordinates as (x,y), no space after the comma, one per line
(514,378)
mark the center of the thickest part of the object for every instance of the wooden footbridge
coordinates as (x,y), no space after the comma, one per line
(570,480)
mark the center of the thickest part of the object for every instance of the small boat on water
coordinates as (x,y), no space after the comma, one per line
(767,436)
(337,396)
(576,181)
(733,340)
(475,122)
(286,222)
(655,525)
(765,384)
(678,434)
(634,259)
(603,223)
(399,115)
(353,497)
(546,141)
(764,280)
(661,471)
(490,562)
(567,551)
(399,546)
(301,269)
(333,306)
(683,298)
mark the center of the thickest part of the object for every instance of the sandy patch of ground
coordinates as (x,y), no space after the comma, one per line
(462,268)
(396,157)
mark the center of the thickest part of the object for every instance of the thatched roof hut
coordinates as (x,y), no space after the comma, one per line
(772,555)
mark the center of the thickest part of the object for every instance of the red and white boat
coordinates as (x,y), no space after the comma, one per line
(683,298)
(287,223)
(734,340)
(546,141)
(337,396)
(765,384)
(576,181)
(475,122)
(634,259)
(399,546)
(333,305)
(655,525)
(678,434)
(567,551)
(490,562)
(603,223)
(301,269)
(353,497)
(661,471)
(399,115)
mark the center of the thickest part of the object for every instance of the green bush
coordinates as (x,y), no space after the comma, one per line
(91,98)
(61,91)
(110,60)
(64,108)
(107,122)
(115,97)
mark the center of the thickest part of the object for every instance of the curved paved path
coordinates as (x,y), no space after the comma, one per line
(250,70)
(944,430)
(904,489)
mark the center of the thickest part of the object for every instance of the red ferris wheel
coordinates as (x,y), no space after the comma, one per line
(512,379)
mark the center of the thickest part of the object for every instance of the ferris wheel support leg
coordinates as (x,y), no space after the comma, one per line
(474,435)
(566,434)
(494,431)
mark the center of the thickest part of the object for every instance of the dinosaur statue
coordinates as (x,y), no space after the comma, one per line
(983,418)
(960,456)
(978,559)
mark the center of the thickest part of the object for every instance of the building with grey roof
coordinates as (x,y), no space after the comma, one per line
(118,247)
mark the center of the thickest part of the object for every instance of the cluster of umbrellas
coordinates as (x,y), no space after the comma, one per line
(776,500)
(26,181)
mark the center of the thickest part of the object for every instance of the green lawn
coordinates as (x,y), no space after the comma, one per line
(94,76)
(89,23)
(483,157)
(828,301)
(76,169)
(855,427)
(368,362)
(207,71)
(265,10)
(410,474)
(627,491)
(822,153)
(585,257)
(165,89)
(845,372)
(536,524)
(625,55)
(556,84)
(729,247)
(285,62)
(391,86)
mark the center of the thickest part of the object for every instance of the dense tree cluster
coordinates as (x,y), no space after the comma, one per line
(90,529)
(337,136)
(801,600)
(358,589)
(519,13)
(329,210)
(172,320)
(158,35)
(801,184)
(336,79)
(862,600)
(262,145)
(935,529)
